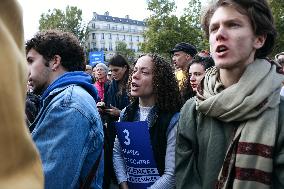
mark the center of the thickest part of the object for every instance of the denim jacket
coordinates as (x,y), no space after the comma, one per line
(69,135)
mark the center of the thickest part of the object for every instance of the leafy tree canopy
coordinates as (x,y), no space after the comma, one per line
(121,48)
(277,7)
(165,29)
(69,20)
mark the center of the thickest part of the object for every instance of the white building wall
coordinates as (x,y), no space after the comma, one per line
(105,35)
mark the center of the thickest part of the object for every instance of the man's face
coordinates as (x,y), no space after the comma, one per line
(39,72)
(181,60)
(232,40)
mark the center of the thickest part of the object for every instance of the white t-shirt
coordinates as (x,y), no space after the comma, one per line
(144,111)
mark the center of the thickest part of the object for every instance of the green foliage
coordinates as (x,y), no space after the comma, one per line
(121,48)
(165,30)
(69,20)
(277,7)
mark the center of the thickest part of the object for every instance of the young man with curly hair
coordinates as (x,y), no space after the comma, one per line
(232,134)
(68,130)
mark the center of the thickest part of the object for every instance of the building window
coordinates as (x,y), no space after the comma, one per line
(130,37)
(117,37)
(110,47)
(102,36)
(122,27)
(93,35)
(93,25)
(137,38)
(110,36)
(108,26)
(123,37)
(94,45)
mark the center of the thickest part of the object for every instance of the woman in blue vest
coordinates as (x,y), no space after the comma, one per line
(155,99)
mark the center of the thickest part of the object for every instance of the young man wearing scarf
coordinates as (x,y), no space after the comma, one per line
(68,130)
(232,134)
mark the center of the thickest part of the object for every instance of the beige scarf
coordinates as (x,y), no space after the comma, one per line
(254,102)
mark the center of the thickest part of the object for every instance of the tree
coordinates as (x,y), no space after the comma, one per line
(121,48)
(277,7)
(165,30)
(162,32)
(191,25)
(69,20)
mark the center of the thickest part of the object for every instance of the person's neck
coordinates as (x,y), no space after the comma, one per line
(101,80)
(146,102)
(232,76)
(229,77)
(184,68)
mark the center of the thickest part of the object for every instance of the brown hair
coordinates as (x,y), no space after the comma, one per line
(54,42)
(259,14)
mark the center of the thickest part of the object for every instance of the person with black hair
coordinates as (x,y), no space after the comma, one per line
(196,72)
(115,99)
(155,99)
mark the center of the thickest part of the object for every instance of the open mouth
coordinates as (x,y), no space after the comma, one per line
(134,86)
(221,49)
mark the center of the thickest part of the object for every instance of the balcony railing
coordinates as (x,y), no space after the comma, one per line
(117,29)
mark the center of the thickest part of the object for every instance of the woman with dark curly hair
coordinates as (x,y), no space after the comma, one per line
(155,99)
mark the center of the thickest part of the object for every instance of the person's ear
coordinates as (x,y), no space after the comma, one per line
(188,57)
(56,61)
(125,67)
(259,41)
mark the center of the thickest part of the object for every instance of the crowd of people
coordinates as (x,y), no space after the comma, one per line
(208,119)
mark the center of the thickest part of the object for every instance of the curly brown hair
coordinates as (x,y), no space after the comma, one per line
(54,42)
(165,85)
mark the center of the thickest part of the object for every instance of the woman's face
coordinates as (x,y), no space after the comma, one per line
(100,73)
(196,74)
(117,72)
(142,78)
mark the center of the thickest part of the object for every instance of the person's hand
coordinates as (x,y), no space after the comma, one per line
(101,107)
(123,185)
(113,111)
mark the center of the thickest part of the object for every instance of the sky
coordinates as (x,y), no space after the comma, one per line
(136,9)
